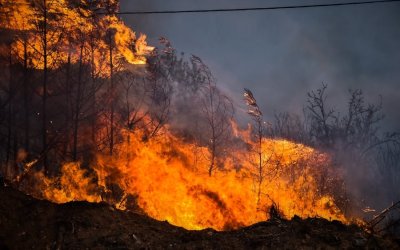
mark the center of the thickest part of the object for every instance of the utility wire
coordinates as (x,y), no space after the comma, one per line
(247,9)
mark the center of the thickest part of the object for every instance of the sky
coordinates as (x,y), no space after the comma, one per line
(282,54)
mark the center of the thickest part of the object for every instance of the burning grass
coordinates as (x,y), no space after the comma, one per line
(168,178)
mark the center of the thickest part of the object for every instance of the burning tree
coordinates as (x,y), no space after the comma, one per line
(133,116)
(66,41)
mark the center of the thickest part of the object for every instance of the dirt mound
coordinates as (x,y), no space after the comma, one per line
(27,223)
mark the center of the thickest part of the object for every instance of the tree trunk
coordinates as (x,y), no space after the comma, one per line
(93,104)
(44,95)
(68,105)
(112,99)
(9,114)
(77,106)
(26,100)
(213,153)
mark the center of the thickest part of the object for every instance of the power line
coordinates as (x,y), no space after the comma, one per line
(248,9)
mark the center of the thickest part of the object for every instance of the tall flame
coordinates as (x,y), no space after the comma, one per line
(169,179)
(70,28)
(167,175)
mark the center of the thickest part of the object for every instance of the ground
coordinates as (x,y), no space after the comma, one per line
(28,223)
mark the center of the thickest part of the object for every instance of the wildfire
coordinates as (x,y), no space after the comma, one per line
(166,175)
(73,33)
(170,181)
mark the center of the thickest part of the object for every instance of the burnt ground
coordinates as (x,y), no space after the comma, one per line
(28,223)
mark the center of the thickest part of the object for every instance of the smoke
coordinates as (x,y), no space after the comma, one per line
(281,55)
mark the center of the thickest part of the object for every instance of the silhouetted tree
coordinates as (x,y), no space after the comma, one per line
(321,116)
(217,110)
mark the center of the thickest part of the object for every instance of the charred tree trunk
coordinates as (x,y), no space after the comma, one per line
(112,97)
(67,114)
(77,105)
(26,100)
(212,160)
(12,137)
(9,113)
(212,125)
(93,99)
(44,95)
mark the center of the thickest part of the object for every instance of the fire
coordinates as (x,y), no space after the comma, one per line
(73,185)
(169,179)
(70,28)
(166,175)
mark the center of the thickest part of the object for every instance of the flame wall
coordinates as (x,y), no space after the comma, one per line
(167,174)
(170,180)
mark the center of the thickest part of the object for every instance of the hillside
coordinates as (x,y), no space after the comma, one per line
(27,223)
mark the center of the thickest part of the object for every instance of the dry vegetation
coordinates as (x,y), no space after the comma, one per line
(90,112)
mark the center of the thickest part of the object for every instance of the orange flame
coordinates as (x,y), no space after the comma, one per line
(170,180)
(168,176)
(73,185)
(69,28)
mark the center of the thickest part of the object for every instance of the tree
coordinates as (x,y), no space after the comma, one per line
(217,110)
(111,44)
(321,116)
(290,126)
(44,94)
(387,166)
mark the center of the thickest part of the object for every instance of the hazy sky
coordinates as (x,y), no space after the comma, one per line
(282,54)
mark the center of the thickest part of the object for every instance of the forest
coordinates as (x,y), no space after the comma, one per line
(90,112)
